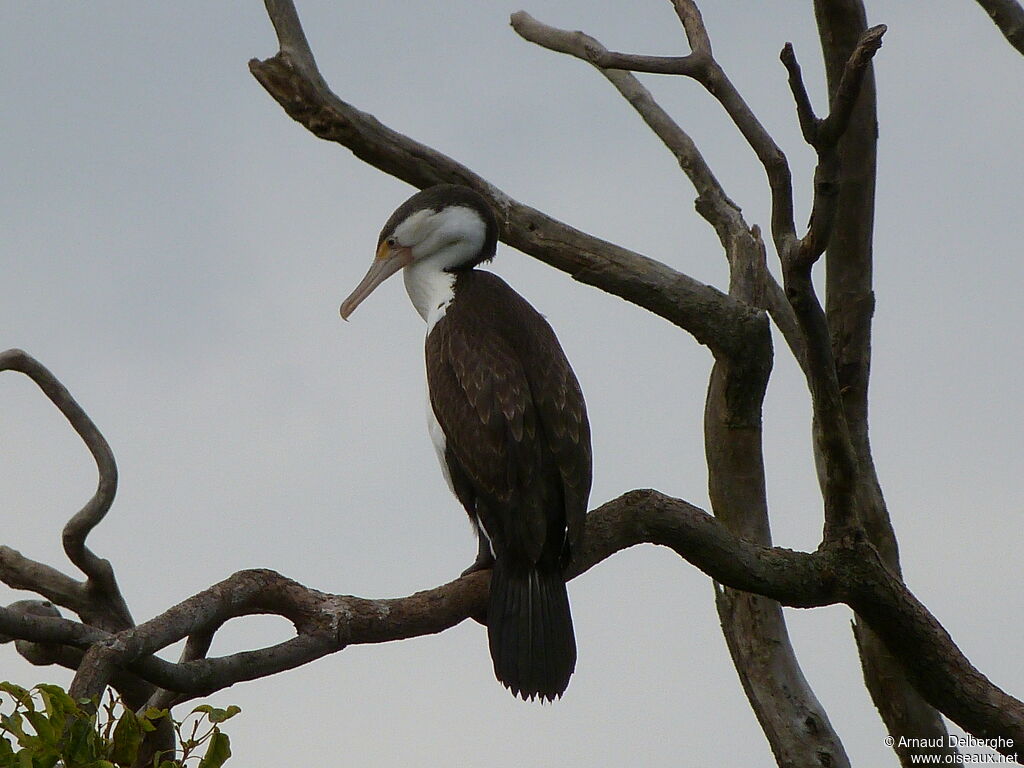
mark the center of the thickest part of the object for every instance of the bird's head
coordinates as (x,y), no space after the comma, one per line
(449,227)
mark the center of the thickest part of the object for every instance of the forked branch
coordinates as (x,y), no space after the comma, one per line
(839,462)
(823,135)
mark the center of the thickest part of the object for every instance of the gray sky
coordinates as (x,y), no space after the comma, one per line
(175,248)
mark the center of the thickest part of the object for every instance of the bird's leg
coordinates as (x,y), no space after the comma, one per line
(484,561)
(484,556)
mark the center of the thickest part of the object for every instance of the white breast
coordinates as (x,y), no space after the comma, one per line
(440,443)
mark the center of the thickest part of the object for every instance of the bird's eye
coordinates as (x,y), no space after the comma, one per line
(392,241)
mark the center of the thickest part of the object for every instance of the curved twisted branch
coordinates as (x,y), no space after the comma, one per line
(328,623)
(20,572)
(103,603)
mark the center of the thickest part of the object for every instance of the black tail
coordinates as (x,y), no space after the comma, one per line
(530,631)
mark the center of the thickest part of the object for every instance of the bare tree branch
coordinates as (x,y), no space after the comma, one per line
(693,25)
(17,624)
(753,625)
(411,166)
(702,67)
(849,304)
(796,725)
(712,317)
(772,158)
(196,647)
(106,605)
(834,444)
(328,623)
(804,110)
(824,135)
(132,689)
(742,244)
(1008,15)
(712,202)
(782,314)
(846,93)
(835,447)
(20,572)
(583,46)
(798,256)
(895,632)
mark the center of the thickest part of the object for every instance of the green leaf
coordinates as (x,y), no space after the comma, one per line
(19,694)
(220,715)
(12,724)
(82,741)
(55,697)
(152,713)
(58,705)
(126,740)
(44,728)
(218,752)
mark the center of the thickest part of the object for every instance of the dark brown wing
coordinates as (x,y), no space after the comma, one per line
(562,413)
(513,415)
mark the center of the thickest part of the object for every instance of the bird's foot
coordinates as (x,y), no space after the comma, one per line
(484,561)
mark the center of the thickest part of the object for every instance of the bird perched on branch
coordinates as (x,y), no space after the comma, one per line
(509,423)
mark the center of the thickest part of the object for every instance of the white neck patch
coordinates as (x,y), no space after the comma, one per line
(430,289)
(439,240)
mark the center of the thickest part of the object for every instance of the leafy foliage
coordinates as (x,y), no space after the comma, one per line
(45,728)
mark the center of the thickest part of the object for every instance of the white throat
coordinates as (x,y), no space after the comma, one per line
(438,240)
(430,289)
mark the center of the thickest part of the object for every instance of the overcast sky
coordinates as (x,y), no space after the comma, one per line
(174,248)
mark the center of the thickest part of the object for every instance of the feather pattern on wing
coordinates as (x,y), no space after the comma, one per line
(518,440)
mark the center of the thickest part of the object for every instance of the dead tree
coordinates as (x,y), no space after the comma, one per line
(911,665)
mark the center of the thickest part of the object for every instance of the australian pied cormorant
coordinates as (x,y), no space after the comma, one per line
(509,423)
